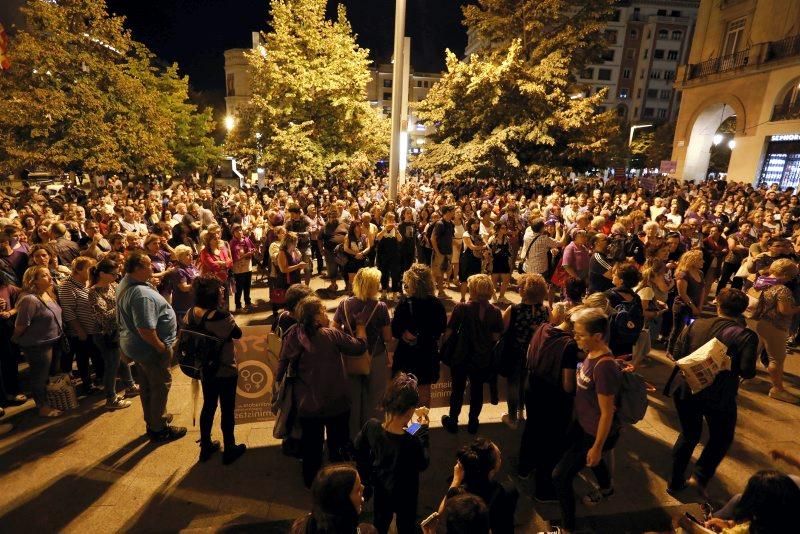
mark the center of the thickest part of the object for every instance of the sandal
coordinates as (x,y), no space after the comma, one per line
(50,412)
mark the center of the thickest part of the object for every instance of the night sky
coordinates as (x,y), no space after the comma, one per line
(195,33)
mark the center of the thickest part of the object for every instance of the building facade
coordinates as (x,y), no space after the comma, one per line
(744,63)
(646,41)
(379,93)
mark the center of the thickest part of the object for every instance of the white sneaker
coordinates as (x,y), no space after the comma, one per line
(783,395)
(117,404)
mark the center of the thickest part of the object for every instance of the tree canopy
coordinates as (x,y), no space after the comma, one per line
(512,109)
(309,112)
(82,95)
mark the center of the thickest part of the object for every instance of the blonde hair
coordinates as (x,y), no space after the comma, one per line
(480,287)
(81,262)
(367,283)
(182,251)
(418,281)
(783,268)
(689,258)
(31,275)
(596,300)
(533,287)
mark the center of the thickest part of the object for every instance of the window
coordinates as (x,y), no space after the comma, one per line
(615,17)
(626,74)
(623,92)
(677,35)
(601,109)
(662,113)
(646,53)
(666,94)
(663,34)
(588,74)
(734,37)
(419,84)
(652,93)
(675,14)
(387,111)
(655,74)
(388,83)
(603,74)
(658,54)
(631,54)
(672,55)
(669,74)
(611,36)
(661,12)
(637,12)
(634,33)
(230,84)
(387,96)
(648,112)
(608,55)
(635,112)
(649,34)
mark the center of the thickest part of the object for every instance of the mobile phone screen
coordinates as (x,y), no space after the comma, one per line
(413,428)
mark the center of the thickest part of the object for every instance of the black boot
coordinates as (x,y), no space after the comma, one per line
(207,449)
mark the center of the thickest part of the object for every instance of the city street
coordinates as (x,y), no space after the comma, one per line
(95,471)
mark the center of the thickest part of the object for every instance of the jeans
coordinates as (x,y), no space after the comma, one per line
(721,429)
(728,270)
(572,463)
(390,271)
(459,380)
(39,359)
(222,390)
(114,366)
(155,381)
(680,315)
(243,283)
(516,389)
(314,430)
(316,253)
(82,351)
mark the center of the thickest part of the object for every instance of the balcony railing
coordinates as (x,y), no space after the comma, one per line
(786,112)
(719,64)
(784,48)
(757,54)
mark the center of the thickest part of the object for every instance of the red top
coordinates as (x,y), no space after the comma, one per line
(210,267)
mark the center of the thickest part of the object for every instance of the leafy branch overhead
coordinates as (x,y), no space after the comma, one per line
(510,109)
(82,95)
(309,112)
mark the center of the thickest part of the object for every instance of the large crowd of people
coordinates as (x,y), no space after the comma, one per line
(97,283)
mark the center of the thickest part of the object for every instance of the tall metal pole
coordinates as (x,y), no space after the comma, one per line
(398,79)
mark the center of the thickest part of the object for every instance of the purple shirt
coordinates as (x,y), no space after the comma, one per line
(593,380)
(578,257)
(182,300)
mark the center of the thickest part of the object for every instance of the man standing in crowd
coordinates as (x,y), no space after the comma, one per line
(717,402)
(148,330)
(442,244)
(535,245)
(301,225)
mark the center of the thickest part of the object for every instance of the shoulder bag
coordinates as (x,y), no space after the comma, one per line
(63,340)
(362,364)
(282,404)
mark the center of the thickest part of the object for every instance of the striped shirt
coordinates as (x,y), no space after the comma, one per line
(74,300)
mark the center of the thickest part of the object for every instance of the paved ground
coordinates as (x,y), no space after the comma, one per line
(94,471)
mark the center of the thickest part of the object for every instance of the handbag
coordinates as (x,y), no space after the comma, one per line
(362,364)
(277,295)
(283,404)
(560,276)
(63,340)
(450,346)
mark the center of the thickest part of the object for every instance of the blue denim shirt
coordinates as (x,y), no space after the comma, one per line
(141,306)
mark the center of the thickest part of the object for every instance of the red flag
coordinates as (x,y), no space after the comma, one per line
(5,62)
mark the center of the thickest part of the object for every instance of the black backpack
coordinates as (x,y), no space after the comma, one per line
(198,351)
(618,248)
(627,317)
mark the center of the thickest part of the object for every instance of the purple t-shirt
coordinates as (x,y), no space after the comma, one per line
(357,308)
(593,380)
(182,300)
(578,257)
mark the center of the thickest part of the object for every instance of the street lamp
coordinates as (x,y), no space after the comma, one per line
(230,122)
(634,128)
(717,139)
(731,144)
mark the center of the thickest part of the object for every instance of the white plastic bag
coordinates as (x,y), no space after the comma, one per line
(702,366)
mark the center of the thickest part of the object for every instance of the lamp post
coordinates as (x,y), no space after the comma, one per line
(230,122)
(398,79)
(634,128)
